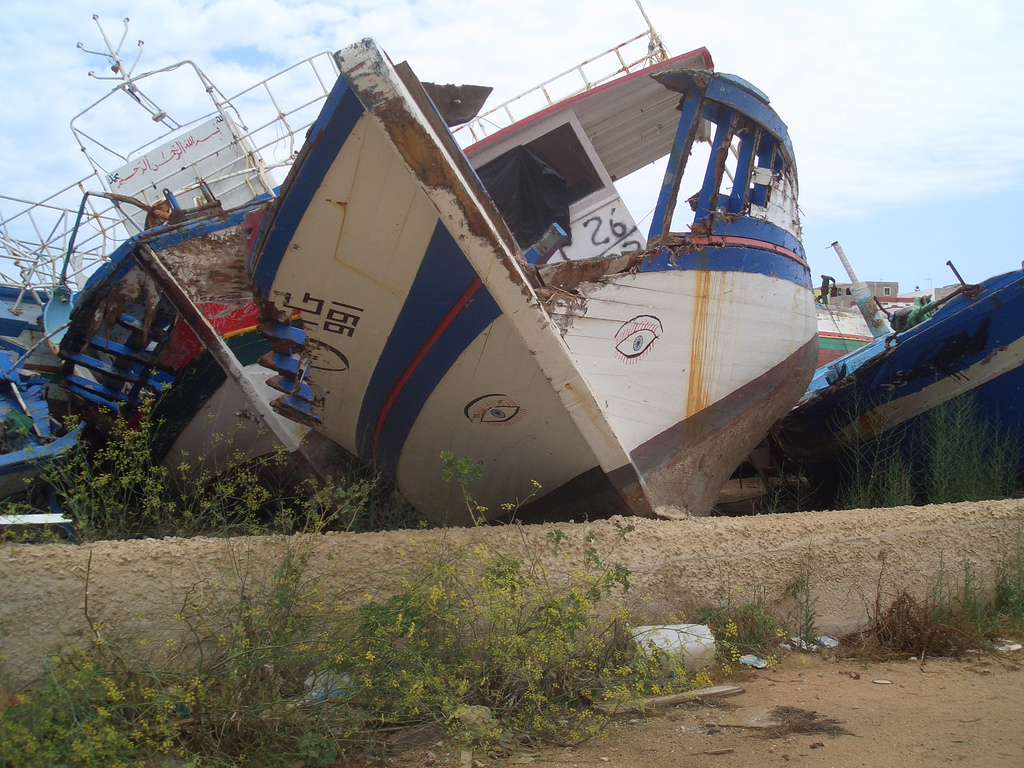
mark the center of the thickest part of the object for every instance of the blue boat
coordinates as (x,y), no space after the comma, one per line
(28,435)
(974,343)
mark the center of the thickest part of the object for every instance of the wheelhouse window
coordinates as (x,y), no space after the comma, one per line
(562,150)
(534,184)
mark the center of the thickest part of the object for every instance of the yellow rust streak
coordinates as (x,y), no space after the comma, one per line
(698,390)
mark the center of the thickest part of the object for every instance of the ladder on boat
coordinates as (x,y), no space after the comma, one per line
(114,374)
(285,359)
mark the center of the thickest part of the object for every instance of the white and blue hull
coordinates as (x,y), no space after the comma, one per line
(422,332)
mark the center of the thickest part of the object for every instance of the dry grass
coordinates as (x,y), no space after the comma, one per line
(792,721)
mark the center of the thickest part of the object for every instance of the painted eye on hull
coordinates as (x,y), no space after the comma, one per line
(493,409)
(324,357)
(499,414)
(636,343)
(636,337)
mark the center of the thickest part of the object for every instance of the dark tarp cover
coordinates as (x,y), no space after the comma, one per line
(529,193)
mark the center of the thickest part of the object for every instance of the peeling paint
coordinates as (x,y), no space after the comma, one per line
(211,267)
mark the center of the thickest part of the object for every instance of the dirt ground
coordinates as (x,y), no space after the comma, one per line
(967,712)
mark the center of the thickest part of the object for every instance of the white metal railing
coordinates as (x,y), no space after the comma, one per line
(35,235)
(272,118)
(622,59)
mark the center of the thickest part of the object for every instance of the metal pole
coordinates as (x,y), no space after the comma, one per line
(862,295)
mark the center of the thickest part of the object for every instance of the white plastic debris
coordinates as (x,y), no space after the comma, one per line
(751,660)
(694,641)
(328,685)
(828,642)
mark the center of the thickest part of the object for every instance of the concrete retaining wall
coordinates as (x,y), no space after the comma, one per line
(137,587)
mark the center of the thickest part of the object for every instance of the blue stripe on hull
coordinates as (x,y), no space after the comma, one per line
(732,258)
(747,226)
(328,135)
(443,277)
(477,315)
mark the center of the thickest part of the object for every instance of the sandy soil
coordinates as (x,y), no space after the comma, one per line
(964,712)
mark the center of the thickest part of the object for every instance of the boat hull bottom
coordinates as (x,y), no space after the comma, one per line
(685,466)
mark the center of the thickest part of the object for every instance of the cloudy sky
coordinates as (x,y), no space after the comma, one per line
(907,116)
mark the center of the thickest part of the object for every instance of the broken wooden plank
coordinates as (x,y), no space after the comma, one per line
(668,700)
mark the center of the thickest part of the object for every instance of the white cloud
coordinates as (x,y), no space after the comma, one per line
(887,103)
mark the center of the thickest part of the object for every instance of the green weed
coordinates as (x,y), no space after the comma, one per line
(959,611)
(742,626)
(280,670)
(117,489)
(954,455)
(802,618)
(879,475)
(966,457)
(1009,584)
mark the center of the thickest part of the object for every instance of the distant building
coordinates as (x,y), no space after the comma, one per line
(885,292)
(932,295)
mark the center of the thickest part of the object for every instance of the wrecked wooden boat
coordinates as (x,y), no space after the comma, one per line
(31,399)
(841,330)
(135,275)
(973,343)
(595,371)
(29,436)
(170,318)
(22,330)
(713,329)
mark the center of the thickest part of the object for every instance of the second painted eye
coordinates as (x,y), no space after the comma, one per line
(636,336)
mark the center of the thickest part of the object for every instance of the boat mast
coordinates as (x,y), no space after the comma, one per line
(124,74)
(862,295)
(656,48)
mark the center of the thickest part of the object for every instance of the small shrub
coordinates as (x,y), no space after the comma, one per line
(92,710)
(803,617)
(957,614)
(742,627)
(951,454)
(878,475)
(117,489)
(282,671)
(966,457)
(1009,584)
